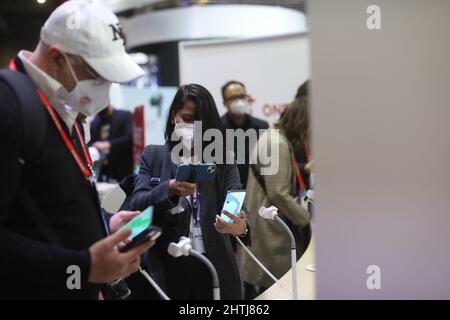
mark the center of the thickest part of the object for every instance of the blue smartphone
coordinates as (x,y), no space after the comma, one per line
(233,203)
(184,173)
(205,172)
(195,172)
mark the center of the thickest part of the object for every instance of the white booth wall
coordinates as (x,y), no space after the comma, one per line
(272,69)
(380,110)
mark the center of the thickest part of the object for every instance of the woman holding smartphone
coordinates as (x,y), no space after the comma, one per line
(189,209)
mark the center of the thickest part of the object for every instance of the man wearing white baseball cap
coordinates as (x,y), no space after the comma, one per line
(53,235)
(84,41)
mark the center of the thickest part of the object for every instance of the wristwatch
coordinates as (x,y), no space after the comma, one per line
(243,234)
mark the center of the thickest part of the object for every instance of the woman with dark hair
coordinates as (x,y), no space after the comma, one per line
(303,90)
(270,243)
(199,204)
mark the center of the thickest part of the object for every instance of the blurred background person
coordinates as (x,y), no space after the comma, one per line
(111,135)
(269,242)
(303,156)
(237,102)
(303,90)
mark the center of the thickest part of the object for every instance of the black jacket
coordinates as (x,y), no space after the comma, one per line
(212,195)
(30,267)
(252,123)
(120,157)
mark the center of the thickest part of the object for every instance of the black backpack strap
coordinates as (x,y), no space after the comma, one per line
(156,154)
(34,115)
(35,130)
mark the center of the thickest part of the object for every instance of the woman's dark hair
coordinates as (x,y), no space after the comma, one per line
(294,122)
(205,111)
(303,90)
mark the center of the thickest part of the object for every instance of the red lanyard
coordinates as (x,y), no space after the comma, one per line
(307,153)
(12,65)
(301,183)
(85,170)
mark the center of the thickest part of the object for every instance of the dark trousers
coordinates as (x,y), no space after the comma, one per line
(188,279)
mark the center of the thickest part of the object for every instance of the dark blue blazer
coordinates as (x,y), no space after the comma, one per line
(120,157)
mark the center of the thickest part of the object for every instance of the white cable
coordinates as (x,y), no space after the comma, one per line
(261,265)
(153,283)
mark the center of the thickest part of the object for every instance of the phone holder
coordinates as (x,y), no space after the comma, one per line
(184,248)
(271,213)
(181,248)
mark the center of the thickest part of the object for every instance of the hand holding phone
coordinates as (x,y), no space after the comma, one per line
(181,189)
(233,204)
(141,229)
(238,226)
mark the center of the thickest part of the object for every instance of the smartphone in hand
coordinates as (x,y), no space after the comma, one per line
(141,229)
(194,173)
(233,203)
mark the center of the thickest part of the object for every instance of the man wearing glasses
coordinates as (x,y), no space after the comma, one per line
(236,101)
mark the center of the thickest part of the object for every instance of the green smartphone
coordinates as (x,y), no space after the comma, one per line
(141,229)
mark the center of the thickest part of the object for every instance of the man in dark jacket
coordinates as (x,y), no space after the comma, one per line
(52,232)
(111,134)
(235,99)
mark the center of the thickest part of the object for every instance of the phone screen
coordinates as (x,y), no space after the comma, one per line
(233,204)
(139,223)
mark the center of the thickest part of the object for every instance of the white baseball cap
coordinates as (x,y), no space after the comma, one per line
(89,30)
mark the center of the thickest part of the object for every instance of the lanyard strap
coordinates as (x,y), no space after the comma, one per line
(12,65)
(195,206)
(87,171)
(307,153)
(301,183)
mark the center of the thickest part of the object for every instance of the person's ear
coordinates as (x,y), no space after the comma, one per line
(55,59)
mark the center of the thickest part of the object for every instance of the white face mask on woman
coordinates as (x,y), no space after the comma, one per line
(184,130)
(89,96)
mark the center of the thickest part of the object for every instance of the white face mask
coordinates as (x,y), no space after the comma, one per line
(89,96)
(239,107)
(185,133)
(184,130)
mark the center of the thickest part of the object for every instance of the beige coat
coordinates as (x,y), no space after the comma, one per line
(270,243)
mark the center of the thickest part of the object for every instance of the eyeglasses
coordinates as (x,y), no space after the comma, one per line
(89,70)
(237,97)
(92,72)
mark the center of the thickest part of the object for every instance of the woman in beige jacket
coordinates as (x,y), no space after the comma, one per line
(269,242)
